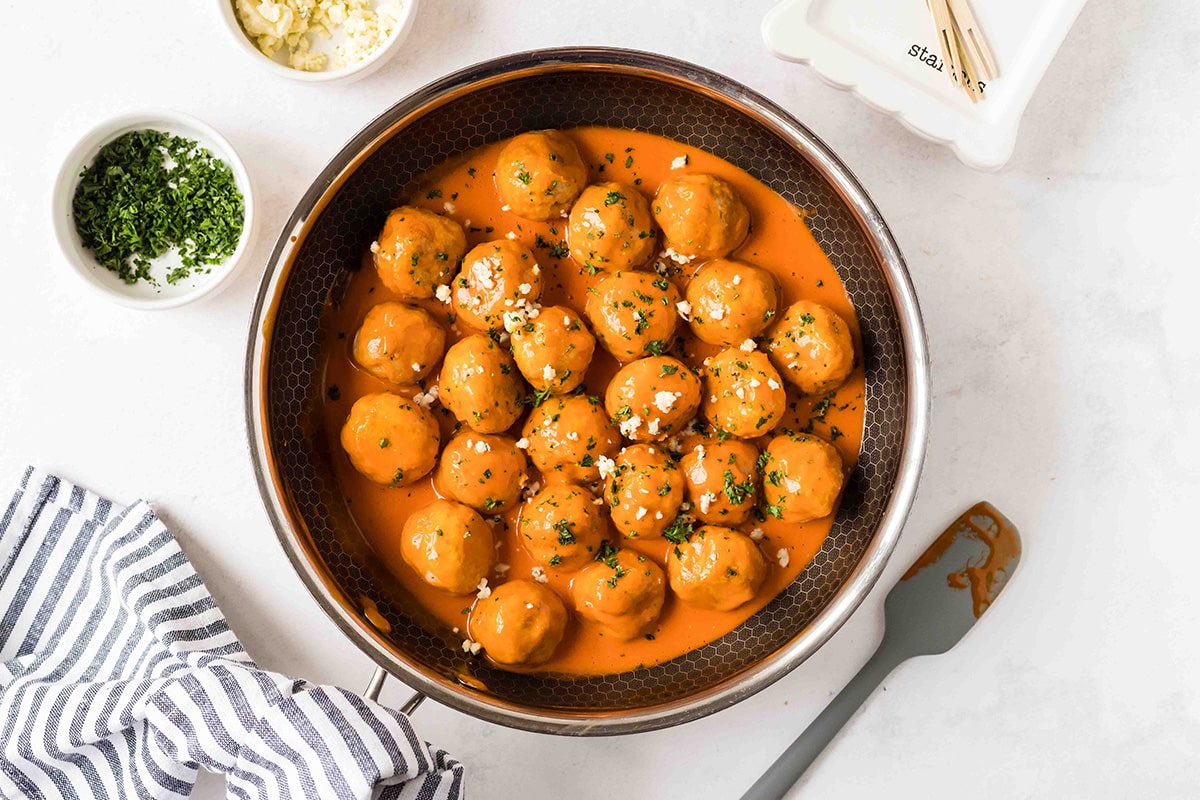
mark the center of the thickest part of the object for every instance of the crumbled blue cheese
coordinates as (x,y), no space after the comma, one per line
(630,426)
(606,466)
(665,401)
(291,25)
(426,399)
(678,258)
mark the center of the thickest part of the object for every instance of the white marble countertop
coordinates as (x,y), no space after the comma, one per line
(1060,301)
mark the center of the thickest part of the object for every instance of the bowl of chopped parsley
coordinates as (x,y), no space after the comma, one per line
(153,209)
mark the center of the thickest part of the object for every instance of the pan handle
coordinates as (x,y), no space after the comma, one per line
(376,684)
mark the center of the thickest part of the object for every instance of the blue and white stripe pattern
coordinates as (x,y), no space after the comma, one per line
(119,677)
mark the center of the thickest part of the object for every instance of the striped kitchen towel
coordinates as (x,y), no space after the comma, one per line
(119,677)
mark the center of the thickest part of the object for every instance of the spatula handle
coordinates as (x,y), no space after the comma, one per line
(789,767)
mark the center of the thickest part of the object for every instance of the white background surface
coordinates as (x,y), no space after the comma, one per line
(1060,300)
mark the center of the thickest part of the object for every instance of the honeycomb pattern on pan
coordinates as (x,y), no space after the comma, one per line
(566,100)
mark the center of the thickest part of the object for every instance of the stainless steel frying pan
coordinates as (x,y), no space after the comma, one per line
(321,244)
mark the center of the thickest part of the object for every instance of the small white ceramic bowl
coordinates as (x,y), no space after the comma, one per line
(143,294)
(346,74)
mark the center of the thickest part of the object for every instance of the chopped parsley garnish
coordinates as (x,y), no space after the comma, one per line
(618,573)
(540,396)
(656,347)
(563,529)
(524,177)
(737,493)
(129,207)
(667,369)
(555,560)
(680,530)
(612,198)
(822,408)
(557,249)
(607,554)
(490,504)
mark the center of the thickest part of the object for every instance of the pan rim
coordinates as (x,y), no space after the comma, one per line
(862,579)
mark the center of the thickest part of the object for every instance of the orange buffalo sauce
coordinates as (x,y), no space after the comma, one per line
(779,241)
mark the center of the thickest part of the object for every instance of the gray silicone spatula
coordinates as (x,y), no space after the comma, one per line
(936,602)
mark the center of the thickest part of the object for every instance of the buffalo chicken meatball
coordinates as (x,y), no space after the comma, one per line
(479,383)
(743,395)
(496,277)
(539,175)
(721,480)
(633,314)
(802,478)
(717,569)
(484,471)
(652,398)
(701,216)
(390,440)
(449,545)
(567,436)
(731,302)
(623,593)
(399,343)
(553,350)
(519,622)
(812,348)
(611,228)
(561,526)
(645,491)
(417,251)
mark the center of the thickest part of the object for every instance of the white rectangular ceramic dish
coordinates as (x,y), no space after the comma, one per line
(887,54)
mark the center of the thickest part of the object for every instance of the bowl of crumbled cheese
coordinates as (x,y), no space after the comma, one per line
(319,41)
